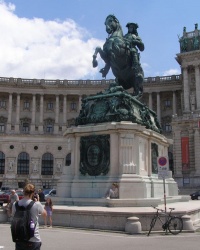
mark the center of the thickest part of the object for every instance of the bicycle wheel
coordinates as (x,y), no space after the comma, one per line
(153,221)
(175,225)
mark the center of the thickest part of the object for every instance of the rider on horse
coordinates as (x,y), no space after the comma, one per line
(134,42)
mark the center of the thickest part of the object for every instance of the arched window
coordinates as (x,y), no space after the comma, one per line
(23,163)
(2,163)
(47,164)
(68,160)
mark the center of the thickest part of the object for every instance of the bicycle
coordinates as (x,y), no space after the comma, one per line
(172,223)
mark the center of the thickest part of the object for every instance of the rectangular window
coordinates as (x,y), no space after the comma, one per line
(49,128)
(2,104)
(25,127)
(26,105)
(73,106)
(168,127)
(50,105)
(2,127)
(167,103)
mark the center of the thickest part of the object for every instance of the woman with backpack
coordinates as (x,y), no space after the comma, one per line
(25,215)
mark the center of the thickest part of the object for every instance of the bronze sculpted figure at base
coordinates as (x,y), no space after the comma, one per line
(120,53)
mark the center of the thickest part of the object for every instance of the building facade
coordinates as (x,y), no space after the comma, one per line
(186,126)
(34,113)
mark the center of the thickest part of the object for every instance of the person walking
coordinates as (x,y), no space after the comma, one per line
(49,209)
(37,209)
(12,198)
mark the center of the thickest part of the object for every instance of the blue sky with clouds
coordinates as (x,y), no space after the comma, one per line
(55,39)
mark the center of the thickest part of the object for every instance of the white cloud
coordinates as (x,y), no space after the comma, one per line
(35,48)
(171,72)
(145,66)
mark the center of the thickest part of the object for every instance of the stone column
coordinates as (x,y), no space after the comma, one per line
(174,103)
(158,106)
(79,103)
(186,90)
(150,101)
(64,125)
(9,122)
(56,115)
(197,82)
(17,113)
(33,113)
(57,109)
(41,130)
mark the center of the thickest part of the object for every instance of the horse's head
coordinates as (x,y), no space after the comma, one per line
(112,25)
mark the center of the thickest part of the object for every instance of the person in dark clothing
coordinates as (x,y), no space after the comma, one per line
(41,195)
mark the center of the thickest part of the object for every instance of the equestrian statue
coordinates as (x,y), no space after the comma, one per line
(120,53)
(114,104)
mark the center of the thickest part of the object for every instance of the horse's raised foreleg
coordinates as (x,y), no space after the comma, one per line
(103,55)
(94,61)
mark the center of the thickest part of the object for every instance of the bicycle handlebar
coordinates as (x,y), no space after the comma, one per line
(158,209)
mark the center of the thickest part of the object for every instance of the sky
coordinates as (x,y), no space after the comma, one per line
(55,39)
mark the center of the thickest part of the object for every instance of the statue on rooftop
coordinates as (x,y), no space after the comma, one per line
(195,43)
(183,43)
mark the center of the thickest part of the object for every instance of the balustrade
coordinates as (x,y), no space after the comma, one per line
(21,81)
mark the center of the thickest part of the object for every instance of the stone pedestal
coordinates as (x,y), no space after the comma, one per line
(129,164)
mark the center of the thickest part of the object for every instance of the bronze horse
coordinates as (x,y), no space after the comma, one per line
(116,54)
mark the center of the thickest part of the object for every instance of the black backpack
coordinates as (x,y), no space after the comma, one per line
(20,225)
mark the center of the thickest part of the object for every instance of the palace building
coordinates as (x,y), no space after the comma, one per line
(34,114)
